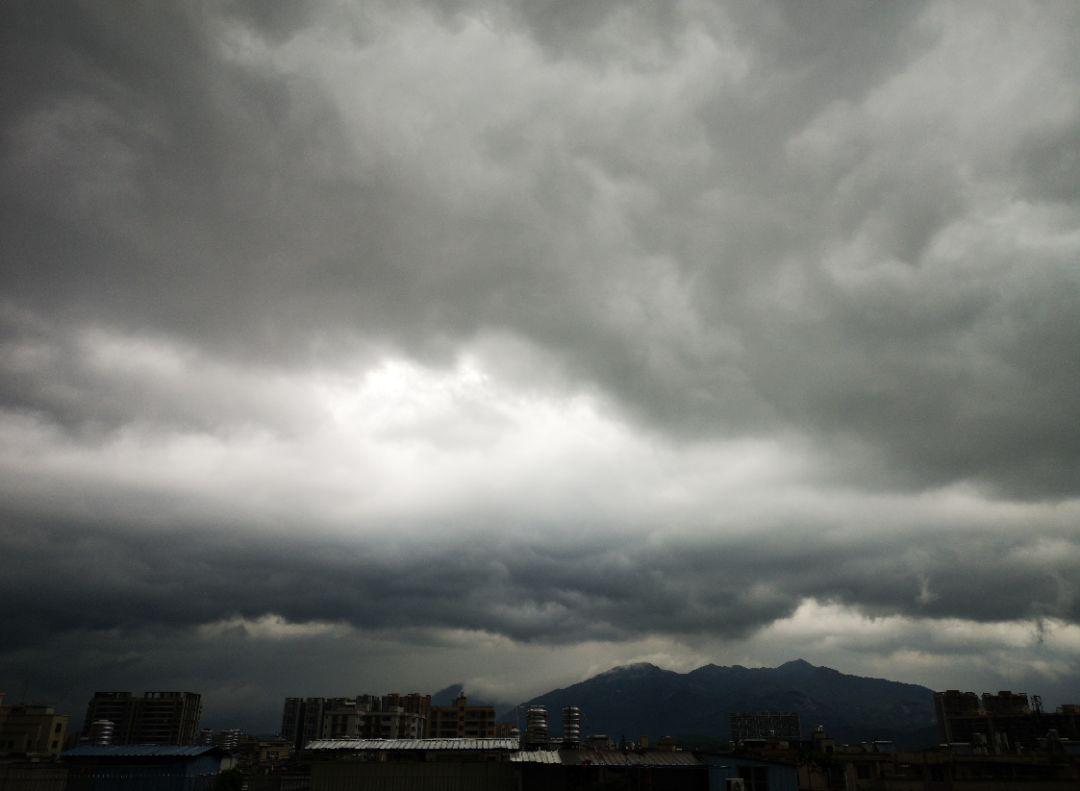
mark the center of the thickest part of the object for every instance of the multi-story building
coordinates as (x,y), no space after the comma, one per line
(342,718)
(413,703)
(306,719)
(155,718)
(167,718)
(950,705)
(301,720)
(33,731)
(824,765)
(117,708)
(393,722)
(392,716)
(1005,703)
(1000,723)
(765,725)
(461,720)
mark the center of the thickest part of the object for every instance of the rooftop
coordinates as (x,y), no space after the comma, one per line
(412,744)
(139,751)
(567,757)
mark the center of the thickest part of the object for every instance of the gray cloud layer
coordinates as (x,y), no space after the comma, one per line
(846,233)
(527,590)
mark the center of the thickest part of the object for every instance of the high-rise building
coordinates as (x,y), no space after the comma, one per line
(306,719)
(293,717)
(116,707)
(302,720)
(167,718)
(155,718)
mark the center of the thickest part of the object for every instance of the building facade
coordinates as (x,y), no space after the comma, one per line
(765,725)
(461,721)
(32,731)
(158,717)
(392,716)
(301,720)
(1001,723)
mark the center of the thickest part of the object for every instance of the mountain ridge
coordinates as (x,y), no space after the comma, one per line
(644,699)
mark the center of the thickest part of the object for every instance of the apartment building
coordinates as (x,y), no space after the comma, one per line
(158,717)
(460,720)
(32,730)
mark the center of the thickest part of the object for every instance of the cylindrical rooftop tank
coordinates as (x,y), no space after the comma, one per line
(101,732)
(571,728)
(536,726)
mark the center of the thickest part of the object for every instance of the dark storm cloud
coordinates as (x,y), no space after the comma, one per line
(848,230)
(503,583)
(163,171)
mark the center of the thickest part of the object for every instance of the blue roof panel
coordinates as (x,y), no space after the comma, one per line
(139,751)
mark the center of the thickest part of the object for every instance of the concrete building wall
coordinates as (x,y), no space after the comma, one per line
(461,721)
(32,730)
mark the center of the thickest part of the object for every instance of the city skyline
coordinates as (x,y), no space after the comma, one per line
(396,345)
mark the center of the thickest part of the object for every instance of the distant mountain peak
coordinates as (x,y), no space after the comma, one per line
(447,695)
(635,668)
(796,664)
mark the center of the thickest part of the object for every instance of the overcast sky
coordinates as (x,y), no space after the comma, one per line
(349,347)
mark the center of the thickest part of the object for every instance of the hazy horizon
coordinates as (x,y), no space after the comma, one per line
(381,346)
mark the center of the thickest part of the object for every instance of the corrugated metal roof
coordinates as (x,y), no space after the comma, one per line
(567,757)
(536,757)
(370,745)
(139,751)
